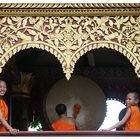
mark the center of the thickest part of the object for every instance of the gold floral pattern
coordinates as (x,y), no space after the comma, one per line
(68,38)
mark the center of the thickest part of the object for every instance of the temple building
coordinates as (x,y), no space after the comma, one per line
(68,53)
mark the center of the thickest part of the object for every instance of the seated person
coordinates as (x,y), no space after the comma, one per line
(4,125)
(131,119)
(64,123)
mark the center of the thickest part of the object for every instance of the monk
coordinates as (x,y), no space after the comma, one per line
(64,123)
(131,119)
(4,126)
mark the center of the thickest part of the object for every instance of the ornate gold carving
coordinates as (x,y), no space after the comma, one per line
(68,38)
(67,5)
(69,9)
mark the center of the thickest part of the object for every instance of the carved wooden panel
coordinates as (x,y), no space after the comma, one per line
(70,37)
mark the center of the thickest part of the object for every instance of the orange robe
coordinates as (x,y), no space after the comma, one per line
(133,123)
(62,125)
(4,110)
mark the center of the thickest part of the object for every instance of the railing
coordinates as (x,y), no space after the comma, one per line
(75,133)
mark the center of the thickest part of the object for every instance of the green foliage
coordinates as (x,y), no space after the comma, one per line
(36,124)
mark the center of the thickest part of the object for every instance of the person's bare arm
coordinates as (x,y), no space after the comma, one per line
(122,122)
(6,125)
(76,110)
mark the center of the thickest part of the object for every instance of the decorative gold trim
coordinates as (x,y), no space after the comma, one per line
(68,38)
(39,9)
(68,5)
(68,65)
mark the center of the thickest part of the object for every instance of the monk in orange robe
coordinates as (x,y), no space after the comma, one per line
(133,124)
(131,119)
(4,110)
(4,126)
(64,123)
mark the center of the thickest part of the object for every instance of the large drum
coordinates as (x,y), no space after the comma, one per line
(82,91)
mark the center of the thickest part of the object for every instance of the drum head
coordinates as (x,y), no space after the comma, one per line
(82,91)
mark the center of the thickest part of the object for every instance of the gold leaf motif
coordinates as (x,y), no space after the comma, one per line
(38,25)
(74,47)
(75,25)
(23,36)
(32,32)
(88,29)
(50,42)
(132,20)
(3,20)
(31,20)
(63,25)
(24,22)
(13,28)
(14,19)
(62,48)
(56,42)
(19,24)
(98,20)
(57,30)
(111,36)
(80,30)
(111,23)
(125,19)
(76,18)
(92,37)
(13,37)
(72,36)
(9,21)
(3,29)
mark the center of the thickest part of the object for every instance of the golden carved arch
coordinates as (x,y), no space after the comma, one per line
(110,45)
(26,45)
(70,31)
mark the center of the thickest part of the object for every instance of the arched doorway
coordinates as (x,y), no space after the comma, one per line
(108,68)
(30,105)
(71,36)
